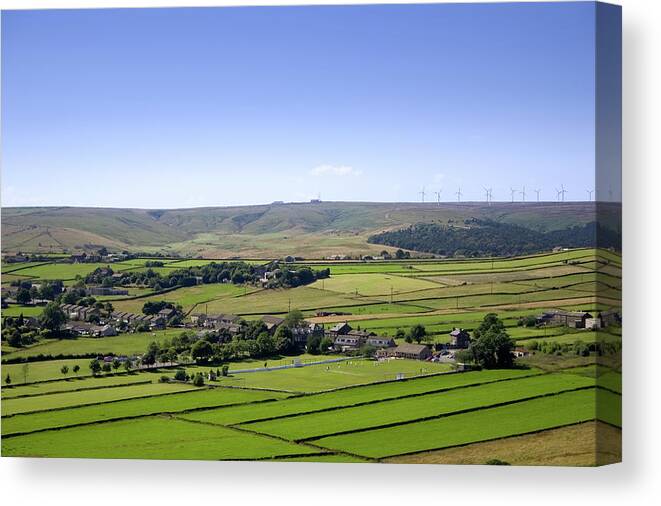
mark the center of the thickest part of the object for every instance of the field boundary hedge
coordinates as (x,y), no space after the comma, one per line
(81,389)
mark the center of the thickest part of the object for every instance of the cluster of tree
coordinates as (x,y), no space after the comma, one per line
(251,341)
(491,346)
(27,292)
(17,333)
(417,333)
(578,347)
(478,238)
(20,331)
(97,366)
(214,272)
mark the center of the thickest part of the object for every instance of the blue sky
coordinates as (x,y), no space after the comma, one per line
(163,108)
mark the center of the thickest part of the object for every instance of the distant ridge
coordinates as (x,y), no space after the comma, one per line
(307,229)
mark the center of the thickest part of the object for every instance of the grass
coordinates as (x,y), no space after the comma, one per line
(372,284)
(188,297)
(59,271)
(352,396)
(150,438)
(281,300)
(566,446)
(41,371)
(403,410)
(326,376)
(81,398)
(122,344)
(16,310)
(72,384)
(504,421)
(175,403)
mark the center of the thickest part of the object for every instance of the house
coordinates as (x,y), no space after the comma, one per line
(216,321)
(460,338)
(572,319)
(347,343)
(302,332)
(339,329)
(198,319)
(167,313)
(610,317)
(272,322)
(520,352)
(89,329)
(411,351)
(104,290)
(380,342)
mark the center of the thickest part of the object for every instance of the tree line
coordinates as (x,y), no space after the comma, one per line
(479,238)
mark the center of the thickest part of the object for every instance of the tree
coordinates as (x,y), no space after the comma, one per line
(116,364)
(284,340)
(313,344)
(293,319)
(325,344)
(198,381)
(492,346)
(201,351)
(149,358)
(52,317)
(7,379)
(181,375)
(14,339)
(23,296)
(76,368)
(417,333)
(106,367)
(95,367)
(400,334)
(65,370)
(225,370)
(127,365)
(265,345)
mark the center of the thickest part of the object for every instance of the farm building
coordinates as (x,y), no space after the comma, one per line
(411,351)
(272,322)
(340,329)
(460,338)
(572,319)
(89,329)
(380,342)
(103,290)
(302,332)
(610,317)
(347,343)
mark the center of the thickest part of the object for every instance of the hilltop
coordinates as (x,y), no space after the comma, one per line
(311,230)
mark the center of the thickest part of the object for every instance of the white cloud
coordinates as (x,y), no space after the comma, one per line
(335,170)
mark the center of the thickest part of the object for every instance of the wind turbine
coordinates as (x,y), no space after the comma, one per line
(438,196)
(561,192)
(590,192)
(458,194)
(487,192)
(523,194)
(537,192)
(422,193)
(513,192)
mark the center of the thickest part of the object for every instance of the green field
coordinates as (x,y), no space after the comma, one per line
(353,396)
(151,438)
(350,411)
(122,344)
(174,403)
(415,408)
(326,376)
(482,425)
(72,384)
(81,398)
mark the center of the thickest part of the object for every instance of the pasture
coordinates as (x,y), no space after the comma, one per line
(350,411)
(315,378)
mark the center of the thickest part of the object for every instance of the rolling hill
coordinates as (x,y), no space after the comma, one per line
(304,229)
